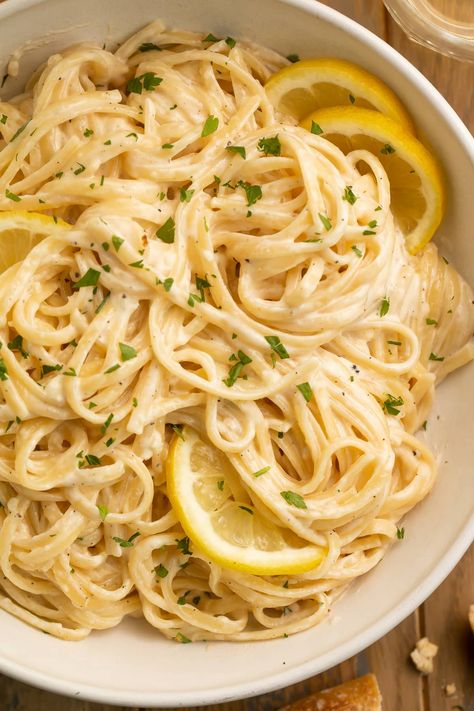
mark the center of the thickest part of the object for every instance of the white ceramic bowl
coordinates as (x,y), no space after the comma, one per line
(132,664)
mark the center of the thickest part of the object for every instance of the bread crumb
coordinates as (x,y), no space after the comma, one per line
(423,654)
(471,617)
(450,689)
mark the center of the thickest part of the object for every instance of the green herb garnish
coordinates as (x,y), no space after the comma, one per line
(391,405)
(242,359)
(185,195)
(349,195)
(210,125)
(277,346)
(264,470)
(128,543)
(306,391)
(17,345)
(148,47)
(384,306)
(90,278)
(166,231)
(127,352)
(270,146)
(45,369)
(294,499)
(160,571)
(237,149)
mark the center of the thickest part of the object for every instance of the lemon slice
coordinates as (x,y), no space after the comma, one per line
(214,511)
(20,231)
(313,84)
(416,181)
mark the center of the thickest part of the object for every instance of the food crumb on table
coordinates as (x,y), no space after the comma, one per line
(423,655)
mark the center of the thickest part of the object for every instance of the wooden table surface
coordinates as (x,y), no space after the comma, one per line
(443,617)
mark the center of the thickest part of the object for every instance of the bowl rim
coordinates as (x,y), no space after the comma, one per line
(446,563)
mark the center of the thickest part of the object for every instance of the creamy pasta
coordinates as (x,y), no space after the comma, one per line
(206,233)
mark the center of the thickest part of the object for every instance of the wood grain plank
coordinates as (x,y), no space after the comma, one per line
(453,78)
(400,684)
(446,624)
(369,13)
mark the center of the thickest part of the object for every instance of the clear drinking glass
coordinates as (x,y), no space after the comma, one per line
(446,26)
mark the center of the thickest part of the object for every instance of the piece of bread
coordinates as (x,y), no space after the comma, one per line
(361,694)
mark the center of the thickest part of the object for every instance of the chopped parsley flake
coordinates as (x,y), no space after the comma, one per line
(400,533)
(211,38)
(230,42)
(112,368)
(264,470)
(349,195)
(12,196)
(316,128)
(326,221)
(90,278)
(210,125)
(387,149)
(178,430)
(246,508)
(17,345)
(148,47)
(220,484)
(306,391)
(431,322)
(128,543)
(237,149)
(234,372)
(107,423)
(391,405)
(147,82)
(293,58)
(253,192)
(3,370)
(182,638)
(127,352)
(384,306)
(45,369)
(182,545)
(434,356)
(117,242)
(293,499)
(19,131)
(160,571)
(185,195)
(356,250)
(166,231)
(277,346)
(103,511)
(270,146)
(79,170)
(88,132)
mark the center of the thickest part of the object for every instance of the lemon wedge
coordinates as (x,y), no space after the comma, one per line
(216,514)
(20,231)
(318,83)
(416,180)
